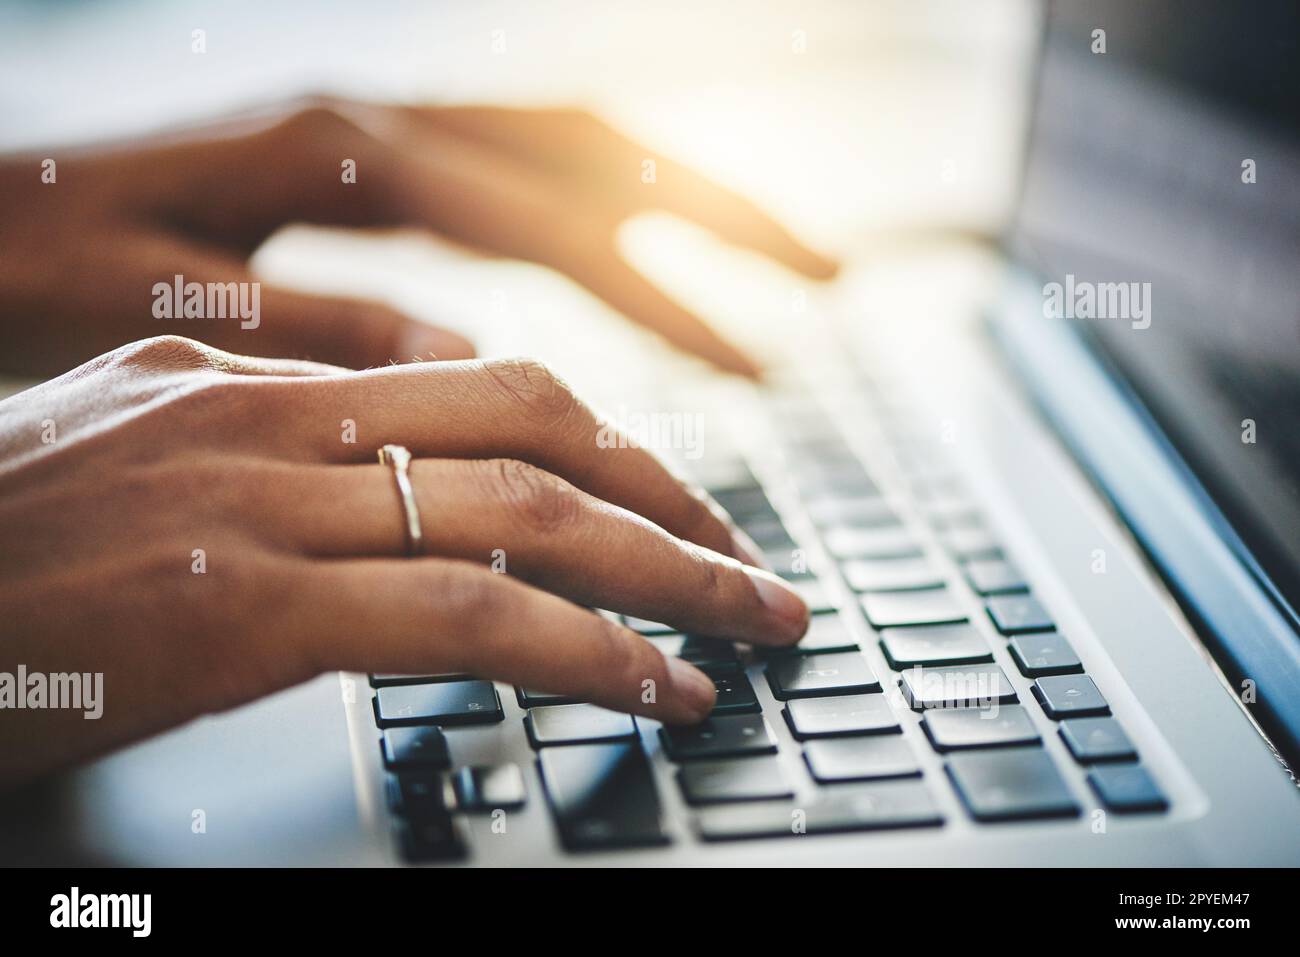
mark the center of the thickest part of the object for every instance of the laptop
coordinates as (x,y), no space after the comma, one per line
(1044,504)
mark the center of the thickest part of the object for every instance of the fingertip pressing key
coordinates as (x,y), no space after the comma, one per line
(783,603)
(694,688)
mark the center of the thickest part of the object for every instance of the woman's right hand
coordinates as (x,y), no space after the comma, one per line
(206,528)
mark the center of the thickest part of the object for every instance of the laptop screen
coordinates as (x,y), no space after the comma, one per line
(1161,204)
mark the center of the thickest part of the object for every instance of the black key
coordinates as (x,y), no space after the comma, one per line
(383,680)
(956,729)
(1126,788)
(867,807)
(966,544)
(1018,614)
(1097,739)
(845,715)
(528,698)
(934,645)
(577,724)
(416,748)
(860,759)
(767,531)
(994,576)
(870,512)
(727,736)
(488,788)
(811,676)
(432,838)
(697,649)
(602,795)
(744,501)
(735,693)
(935,606)
(825,633)
(645,627)
(814,596)
(958,686)
(733,779)
(446,703)
(419,794)
(892,541)
(1069,696)
(891,574)
(1009,785)
(1047,653)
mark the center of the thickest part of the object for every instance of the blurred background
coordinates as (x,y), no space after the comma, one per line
(860,124)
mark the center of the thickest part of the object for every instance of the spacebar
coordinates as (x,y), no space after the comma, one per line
(602,795)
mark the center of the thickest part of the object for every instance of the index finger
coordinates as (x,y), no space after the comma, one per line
(597,159)
(429,616)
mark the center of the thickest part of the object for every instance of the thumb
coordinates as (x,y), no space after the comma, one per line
(357,333)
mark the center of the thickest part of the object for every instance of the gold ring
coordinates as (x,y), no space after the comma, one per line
(399,457)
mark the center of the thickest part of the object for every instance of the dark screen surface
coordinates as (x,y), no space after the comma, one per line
(1168,162)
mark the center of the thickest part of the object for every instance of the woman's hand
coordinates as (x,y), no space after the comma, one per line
(79,256)
(205,528)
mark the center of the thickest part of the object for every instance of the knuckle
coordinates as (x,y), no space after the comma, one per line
(538,499)
(532,385)
(321,116)
(167,354)
(462,592)
(316,100)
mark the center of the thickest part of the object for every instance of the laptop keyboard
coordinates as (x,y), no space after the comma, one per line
(859,772)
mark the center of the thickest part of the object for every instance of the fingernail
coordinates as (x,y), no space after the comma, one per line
(782,601)
(693,685)
(826,268)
